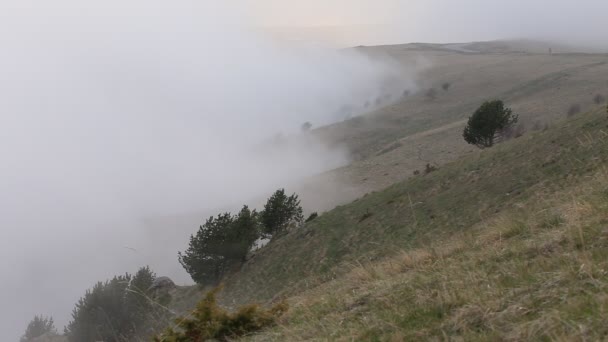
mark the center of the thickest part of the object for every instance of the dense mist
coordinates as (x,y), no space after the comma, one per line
(115,114)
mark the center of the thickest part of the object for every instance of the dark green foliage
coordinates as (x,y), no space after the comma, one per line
(280,212)
(210,322)
(221,242)
(487,123)
(115,310)
(37,327)
(138,301)
(101,314)
(242,235)
(312,217)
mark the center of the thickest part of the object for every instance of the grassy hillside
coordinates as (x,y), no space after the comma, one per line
(509,242)
(392,141)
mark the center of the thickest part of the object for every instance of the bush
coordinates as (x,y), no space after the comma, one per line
(210,322)
(37,327)
(446,86)
(574,109)
(599,99)
(221,242)
(280,212)
(115,310)
(312,217)
(428,168)
(487,123)
(365,216)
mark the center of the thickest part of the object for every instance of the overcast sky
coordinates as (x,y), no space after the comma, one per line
(116,112)
(443,21)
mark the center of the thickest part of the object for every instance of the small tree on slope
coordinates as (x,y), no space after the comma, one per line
(279,212)
(221,242)
(487,123)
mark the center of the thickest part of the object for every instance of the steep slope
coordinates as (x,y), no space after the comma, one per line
(508,242)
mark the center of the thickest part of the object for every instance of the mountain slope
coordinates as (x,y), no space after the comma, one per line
(392,141)
(505,243)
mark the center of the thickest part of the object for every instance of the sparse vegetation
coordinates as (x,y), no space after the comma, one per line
(37,327)
(487,123)
(599,99)
(529,264)
(210,322)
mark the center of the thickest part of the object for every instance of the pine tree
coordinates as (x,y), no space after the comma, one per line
(221,242)
(487,123)
(203,259)
(37,327)
(138,301)
(280,212)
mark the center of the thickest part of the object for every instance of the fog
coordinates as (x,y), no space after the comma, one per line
(117,115)
(117,118)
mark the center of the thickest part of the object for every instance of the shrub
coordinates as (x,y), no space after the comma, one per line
(599,99)
(428,168)
(280,211)
(487,123)
(210,322)
(446,86)
(574,109)
(312,217)
(37,327)
(416,172)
